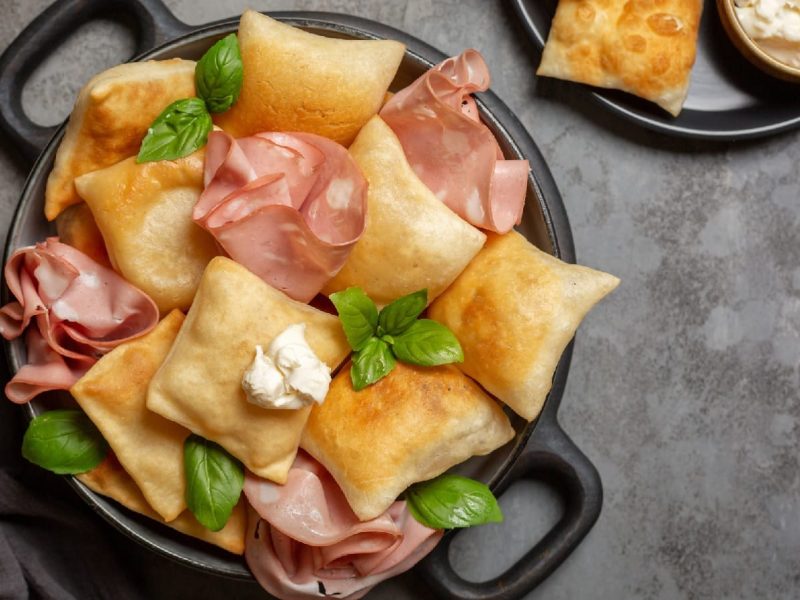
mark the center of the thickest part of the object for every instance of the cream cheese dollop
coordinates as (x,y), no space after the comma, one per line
(289,375)
(774,25)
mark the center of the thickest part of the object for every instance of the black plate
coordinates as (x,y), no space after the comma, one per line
(729,98)
(540,449)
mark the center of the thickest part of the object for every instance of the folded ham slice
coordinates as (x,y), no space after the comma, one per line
(304,541)
(45,370)
(80,310)
(288,206)
(451,151)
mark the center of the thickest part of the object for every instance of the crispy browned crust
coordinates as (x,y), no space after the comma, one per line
(298,81)
(410,426)
(113,394)
(144,212)
(514,309)
(200,383)
(645,47)
(76,227)
(408,227)
(110,479)
(110,119)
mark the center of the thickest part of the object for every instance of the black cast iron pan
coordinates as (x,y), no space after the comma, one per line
(541,449)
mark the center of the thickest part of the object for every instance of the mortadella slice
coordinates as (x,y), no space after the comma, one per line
(80,310)
(451,151)
(45,370)
(304,541)
(289,207)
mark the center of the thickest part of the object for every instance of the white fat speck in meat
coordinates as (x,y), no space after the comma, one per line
(474,207)
(51,284)
(90,280)
(64,311)
(268,493)
(340,191)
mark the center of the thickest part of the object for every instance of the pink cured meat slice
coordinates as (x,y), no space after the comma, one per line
(451,151)
(45,370)
(303,537)
(288,206)
(80,310)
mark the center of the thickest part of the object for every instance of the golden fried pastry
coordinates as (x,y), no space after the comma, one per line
(200,383)
(298,81)
(412,240)
(645,47)
(110,119)
(145,214)
(514,309)
(110,479)
(76,227)
(113,394)
(410,426)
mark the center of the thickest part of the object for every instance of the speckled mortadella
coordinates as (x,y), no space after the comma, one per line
(77,311)
(451,151)
(288,206)
(304,541)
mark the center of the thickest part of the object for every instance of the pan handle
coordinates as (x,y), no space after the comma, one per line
(551,456)
(153,23)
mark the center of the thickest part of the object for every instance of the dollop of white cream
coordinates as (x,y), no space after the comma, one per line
(774,25)
(289,375)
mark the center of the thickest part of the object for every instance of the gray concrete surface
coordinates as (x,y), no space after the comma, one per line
(684,385)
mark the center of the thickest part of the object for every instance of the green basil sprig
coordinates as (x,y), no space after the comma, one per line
(64,442)
(358,314)
(427,343)
(452,501)
(214,481)
(218,74)
(377,339)
(398,316)
(373,362)
(184,125)
(181,129)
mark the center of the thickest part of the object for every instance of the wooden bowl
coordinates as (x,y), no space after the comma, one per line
(750,48)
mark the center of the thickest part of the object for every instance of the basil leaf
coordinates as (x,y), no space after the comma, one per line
(218,74)
(358,314)
(452,501)
(214,481)
(179,130)
(64,442)
(373,362)
(400,314)
(427,343)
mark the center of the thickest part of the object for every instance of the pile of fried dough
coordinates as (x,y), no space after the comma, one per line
(512,307)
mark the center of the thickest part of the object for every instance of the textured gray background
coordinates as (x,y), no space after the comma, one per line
(684,384)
